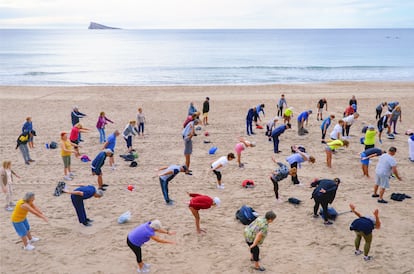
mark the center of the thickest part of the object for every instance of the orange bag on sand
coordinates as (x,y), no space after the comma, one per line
(259,127)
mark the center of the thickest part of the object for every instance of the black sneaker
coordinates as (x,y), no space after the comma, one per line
(87,223)
(382,201)
(374,195)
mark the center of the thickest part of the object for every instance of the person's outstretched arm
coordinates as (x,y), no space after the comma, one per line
(352,207)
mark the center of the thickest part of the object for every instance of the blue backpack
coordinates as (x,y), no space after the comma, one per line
(246,215)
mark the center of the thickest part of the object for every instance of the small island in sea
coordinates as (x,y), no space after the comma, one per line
(94,25)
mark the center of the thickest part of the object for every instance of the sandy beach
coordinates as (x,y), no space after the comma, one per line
(296,243)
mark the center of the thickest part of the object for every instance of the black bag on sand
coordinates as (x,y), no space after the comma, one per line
(246,215)
(294,201)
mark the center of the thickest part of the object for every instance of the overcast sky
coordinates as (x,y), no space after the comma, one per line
(139,14)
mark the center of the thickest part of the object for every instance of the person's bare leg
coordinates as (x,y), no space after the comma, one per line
(197,219)
(100,181)
(375,189)
(187,160)
(329,158)
(25,240)
(381,193)
(365,170)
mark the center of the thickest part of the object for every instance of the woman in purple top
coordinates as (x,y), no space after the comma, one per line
(142,234)
(100,125)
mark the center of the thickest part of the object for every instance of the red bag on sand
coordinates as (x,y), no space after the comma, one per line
(259,127)
(248,183)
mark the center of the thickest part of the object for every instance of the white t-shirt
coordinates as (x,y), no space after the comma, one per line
(349,119)
(221,161)
(334,134)
(385,164)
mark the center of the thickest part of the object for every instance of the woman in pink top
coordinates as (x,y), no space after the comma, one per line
(100,125)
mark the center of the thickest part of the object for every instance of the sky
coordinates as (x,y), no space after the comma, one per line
(172,14)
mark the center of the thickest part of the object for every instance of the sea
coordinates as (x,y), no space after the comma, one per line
(54,57)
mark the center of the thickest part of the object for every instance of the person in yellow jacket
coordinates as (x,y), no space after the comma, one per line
(331,147)
(20,222)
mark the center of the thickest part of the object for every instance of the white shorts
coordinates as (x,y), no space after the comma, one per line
(382,181)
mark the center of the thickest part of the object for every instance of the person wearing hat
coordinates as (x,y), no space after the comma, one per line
(199,201)
(302,119)
(254,235)
(368,154)
(369,139)
(142,234)
(97,164)
(363,227)
(22,141)
(324,194)
(165,176)
(206,109)
(76,115)
(78,195)
(240,146)
(287,115)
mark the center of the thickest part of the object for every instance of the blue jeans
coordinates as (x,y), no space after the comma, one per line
(141,128)
(164,188)
(102,138)
(25,152)
(77,202)
(276,143)
(249,127)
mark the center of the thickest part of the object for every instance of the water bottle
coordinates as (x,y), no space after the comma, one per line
(47,146)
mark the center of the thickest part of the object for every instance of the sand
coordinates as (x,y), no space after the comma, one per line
(296,243)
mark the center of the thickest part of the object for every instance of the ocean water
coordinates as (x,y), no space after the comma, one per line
(204,57)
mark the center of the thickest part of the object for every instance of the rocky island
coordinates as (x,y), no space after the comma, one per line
(94,25)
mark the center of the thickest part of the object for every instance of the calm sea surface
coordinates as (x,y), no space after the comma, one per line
(204,57)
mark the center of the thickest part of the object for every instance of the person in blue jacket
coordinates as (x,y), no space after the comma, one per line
(302,119)
(97,164)
(325,125)
(259,109)
(249,120)
(78,195)
(324,194)
(28,127)
(275,136)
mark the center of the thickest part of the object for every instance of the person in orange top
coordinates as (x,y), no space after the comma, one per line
(66,150)
(20,222)
(198,202)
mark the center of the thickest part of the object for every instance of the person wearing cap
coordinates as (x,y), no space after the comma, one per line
(324,194)
(282,102)
(348,122)
(78,195)
(363,227)
(255,234)
(296,159)
(331,148)
(165,176)
(110,144)
(97,164)
(199,201)
(325,125)
(368,154)
(206,109)
(321,103)
(22,141)
(188,133)
(28,126)
(240,146)
(217,165)
(302,119)
(369,139)
(275,136)
(386,167)
(76,115)
(66,151)
(142,234)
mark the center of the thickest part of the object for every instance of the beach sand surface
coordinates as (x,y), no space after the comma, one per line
(296,242)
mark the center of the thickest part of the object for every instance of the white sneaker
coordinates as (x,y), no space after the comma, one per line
(9,208)
(147,266)
(67,178)
(143,270)
(34,239)
(29,247)
(113,167)
(71,174)
(220,186)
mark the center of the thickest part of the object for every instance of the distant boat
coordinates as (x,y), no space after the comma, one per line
(94,25)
